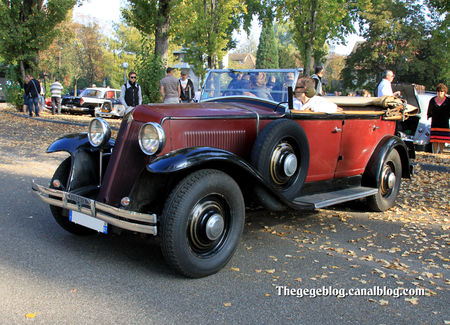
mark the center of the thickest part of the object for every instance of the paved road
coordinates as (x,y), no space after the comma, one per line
(57,278)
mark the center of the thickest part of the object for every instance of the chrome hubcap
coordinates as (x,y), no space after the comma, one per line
(214,226)
(208,224)
(388,179)
(283,163)
(391,180)
(290,164)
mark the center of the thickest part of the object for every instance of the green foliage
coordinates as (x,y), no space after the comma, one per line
(288,55)
(30,28)
(12,89)
(267,54)
(314,22)
(152,17)
(208,34)
(150,70)
(414,47)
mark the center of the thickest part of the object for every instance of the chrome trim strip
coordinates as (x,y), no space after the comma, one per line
(100,211)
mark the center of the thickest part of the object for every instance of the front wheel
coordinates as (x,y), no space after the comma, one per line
(389,183)
(202,222)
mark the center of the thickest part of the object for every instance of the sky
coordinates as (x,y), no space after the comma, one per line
(107,12)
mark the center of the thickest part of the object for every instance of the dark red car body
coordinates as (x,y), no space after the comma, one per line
(338,157)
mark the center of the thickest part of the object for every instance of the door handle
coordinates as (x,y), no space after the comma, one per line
(336,130)
(375,128)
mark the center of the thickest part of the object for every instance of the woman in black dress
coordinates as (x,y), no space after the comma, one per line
(439,111)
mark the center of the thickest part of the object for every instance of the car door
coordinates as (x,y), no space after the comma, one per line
(360,136)
(324,137)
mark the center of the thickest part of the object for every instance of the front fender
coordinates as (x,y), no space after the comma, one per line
(208,157)
(74,142)
(191,157)
(371,176)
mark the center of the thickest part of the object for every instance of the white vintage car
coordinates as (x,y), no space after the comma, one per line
(94,101)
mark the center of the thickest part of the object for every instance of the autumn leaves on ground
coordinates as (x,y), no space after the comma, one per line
(406,247)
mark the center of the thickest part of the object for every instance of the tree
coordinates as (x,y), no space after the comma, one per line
(208,35)
(314,22)
(152,17)
(288,55)
(267,54)
(121,47)
(30,28)
(405,41)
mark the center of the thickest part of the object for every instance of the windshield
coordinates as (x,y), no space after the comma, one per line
(90,93)
(265,84)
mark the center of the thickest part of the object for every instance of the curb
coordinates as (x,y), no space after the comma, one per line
(57,122)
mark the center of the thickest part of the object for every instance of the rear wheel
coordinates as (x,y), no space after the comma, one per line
(62,215)
(202,222)
(389,183)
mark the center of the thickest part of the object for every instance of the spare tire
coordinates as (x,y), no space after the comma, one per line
(281,155)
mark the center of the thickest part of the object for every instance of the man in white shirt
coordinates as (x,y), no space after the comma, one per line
(384,87)
(306,99)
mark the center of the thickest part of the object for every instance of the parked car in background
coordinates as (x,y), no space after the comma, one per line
(415,131)
(89,100)
(186,172)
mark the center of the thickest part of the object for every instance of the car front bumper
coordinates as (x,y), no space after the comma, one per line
(125,219)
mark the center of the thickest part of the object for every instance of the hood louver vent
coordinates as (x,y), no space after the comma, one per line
(227,140)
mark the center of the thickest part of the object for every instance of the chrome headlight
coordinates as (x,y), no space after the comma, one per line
(151,138)
(99,132)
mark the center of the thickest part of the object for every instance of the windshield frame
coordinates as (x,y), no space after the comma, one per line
(205,91)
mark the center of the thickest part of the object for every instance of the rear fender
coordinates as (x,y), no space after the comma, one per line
(371,176)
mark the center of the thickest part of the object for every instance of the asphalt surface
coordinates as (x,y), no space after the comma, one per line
(50,276)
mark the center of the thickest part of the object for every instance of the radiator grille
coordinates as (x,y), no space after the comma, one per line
(227,140)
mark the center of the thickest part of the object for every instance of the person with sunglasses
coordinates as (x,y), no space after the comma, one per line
(131,93)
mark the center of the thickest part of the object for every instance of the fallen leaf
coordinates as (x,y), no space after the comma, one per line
(412,300)
(227,304)
(383,302)
(30,315)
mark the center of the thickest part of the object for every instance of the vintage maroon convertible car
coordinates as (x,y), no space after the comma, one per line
(186,172)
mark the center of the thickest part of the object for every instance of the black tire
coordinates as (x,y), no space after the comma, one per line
(389,183)
(280,142)
(62,215)
(204,197)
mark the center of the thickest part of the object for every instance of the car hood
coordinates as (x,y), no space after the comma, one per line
(158,112)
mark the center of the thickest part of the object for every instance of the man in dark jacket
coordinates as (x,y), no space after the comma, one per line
(131,93)
(33,89)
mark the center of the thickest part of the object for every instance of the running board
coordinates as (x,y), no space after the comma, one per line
(322,200)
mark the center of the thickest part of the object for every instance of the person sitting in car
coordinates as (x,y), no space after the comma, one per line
(306,99)
(258,86)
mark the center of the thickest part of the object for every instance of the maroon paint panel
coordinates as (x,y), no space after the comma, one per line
(359,140)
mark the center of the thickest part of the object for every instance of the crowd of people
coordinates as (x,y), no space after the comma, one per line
(308,95)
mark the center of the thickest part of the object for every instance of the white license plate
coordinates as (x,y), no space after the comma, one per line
(88,221)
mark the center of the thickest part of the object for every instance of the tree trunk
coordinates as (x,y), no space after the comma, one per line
(162,30)
(310,43)
(22,69)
